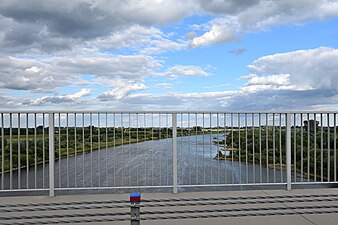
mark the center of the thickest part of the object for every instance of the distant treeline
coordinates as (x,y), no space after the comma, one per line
(273,150)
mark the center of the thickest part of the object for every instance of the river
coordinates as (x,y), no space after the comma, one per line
(148,164)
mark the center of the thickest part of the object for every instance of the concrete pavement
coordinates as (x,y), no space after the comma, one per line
(301,206)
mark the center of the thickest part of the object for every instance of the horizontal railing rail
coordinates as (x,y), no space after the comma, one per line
(71,150)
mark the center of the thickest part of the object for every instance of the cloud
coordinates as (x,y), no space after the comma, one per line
(304,79)
(58,25)
(68,99)
(121,92)
(247,16)
(49,74)
(146,40)
(300,79)
(178,101)
(29,74)
(220,31)
(179,70)
(112,44)
(315,68)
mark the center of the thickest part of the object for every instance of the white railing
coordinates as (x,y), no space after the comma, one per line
(62,150)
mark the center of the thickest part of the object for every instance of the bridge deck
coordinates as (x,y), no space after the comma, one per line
(302,206)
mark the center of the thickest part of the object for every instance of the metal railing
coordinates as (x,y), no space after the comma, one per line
(63,150)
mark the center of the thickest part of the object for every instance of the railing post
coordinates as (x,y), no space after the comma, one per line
(288,151)
(174,125)
(51,154)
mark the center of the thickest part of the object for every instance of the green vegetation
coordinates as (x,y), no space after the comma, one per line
(322,151)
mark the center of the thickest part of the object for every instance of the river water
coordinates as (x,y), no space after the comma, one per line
(148,164)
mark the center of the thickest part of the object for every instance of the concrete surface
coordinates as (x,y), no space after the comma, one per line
(298,219)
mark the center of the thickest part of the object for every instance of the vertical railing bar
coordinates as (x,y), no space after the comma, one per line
(217,118)
(181,147)
(35,153)
(43,150)
(75,149)
(280,148)
(253,148)
(114,146)
(19,152)
(137,153)
(274,147)
(51,155)
(203,148)
(152,149)
(321,148)
(315,148)
(122,149)
(302,148)
(27,154)
(91,148)
(246,149)
(59,136)
(308,147)
(232,149)
(295,146)
(267,146)
(335,146)
(106,159)
(67,138)
(174,125)
(210,148)
(225,149)
(328,147)
(288,151)
(83,150)
(189,152)
(99,146)
(145,158)
(159,138)
(129,147)
(10,152)
(167,134)
(196,163)
(260,148)
(239,148)
(3,153)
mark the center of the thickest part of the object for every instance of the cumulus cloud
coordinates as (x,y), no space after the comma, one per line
(57,100)
(220,31)
(48,45)
(179,70)
(259,15)
(315,68)
(29,74)
(121,92)
(299,79)
(146,40)
(304,79)
(53,26)
(58,25)
(179,101)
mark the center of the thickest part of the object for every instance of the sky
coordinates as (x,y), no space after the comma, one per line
(144,55)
